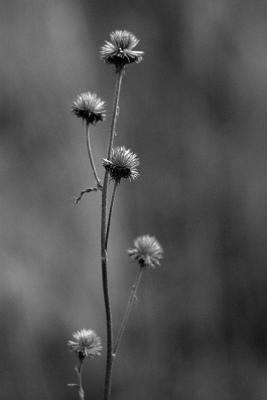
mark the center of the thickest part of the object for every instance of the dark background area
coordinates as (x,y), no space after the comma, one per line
(195,112)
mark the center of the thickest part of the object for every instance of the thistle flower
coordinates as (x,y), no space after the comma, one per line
(122,164)
(89,107)
(86,344)
(119,51)
(147,251)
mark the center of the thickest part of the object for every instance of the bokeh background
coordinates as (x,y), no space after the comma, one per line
(195,112)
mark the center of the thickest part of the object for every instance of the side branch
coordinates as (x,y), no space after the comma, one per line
(110,211)
(84,191)
(91,158)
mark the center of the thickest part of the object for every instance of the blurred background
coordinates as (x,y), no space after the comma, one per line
(195,112)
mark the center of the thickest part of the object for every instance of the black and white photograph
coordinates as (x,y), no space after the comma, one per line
(133,200)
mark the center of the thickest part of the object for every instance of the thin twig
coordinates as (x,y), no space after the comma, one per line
(128,310)
(90,154)
(84,191)
(115,110)
(110,210)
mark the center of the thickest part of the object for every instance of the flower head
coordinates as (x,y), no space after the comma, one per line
(119,50)
(122,164)
(86,343)
(89,107)
(147,251)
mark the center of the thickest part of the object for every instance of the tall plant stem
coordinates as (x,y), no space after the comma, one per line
(104,243)
(110,210)
(90,154)
(128,310)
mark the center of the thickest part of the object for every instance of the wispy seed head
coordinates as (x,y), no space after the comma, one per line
(86,343)
(122,164)
(146,251)
(89,107)
(119,50)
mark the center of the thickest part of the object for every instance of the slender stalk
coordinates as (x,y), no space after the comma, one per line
(128,310)
(78,370)
(104,243)
(107,388)
(115,110)
(90,154)
(110,209)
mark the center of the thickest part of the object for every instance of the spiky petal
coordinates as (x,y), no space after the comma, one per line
(146,251)
(86,343)
(120,49)
(89,107)
(122,164)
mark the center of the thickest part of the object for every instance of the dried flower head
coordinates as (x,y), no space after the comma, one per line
(89,107)
(86,343)
(147,251)
(119,50)
(122,164)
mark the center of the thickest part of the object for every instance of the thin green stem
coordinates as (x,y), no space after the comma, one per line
(90,154)
(110,210)
(128,310)
(104,243)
